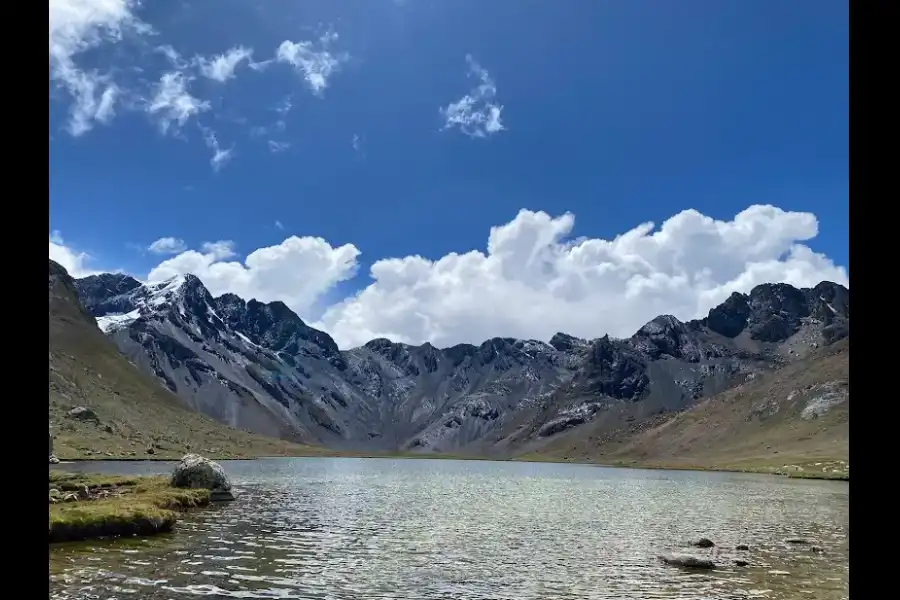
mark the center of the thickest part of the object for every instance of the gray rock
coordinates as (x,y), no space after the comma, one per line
(687,561)
(742,547)
(741,563)
(195,471)
(703,543)
(257,366)
(796,541)
(82,413)
(54,460)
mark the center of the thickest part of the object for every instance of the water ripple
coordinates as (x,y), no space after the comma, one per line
(345,529)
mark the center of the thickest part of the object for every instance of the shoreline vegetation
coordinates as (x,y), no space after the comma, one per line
(807,469)
(87,506)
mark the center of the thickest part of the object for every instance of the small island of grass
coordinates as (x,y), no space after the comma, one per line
(87,506)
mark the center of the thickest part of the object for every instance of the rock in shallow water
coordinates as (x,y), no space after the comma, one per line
(195,471)
(703,543)
(690,562)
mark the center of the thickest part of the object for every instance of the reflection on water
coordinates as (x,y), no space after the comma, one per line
(433,529)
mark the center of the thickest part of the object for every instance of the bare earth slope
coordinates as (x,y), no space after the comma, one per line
(132,410)
(795,420)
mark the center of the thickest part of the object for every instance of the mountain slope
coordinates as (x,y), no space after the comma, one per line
(259,366)
(128,410)
(796,419)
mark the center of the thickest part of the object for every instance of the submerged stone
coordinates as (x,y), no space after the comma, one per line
(686,561)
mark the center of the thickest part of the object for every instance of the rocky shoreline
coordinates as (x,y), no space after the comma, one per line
(796,474)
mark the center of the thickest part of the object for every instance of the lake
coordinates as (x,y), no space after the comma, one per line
(341,529)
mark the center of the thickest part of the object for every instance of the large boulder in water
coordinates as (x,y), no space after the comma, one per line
(195,471)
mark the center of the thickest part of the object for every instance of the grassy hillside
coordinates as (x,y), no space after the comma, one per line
(794,421)
(132,410)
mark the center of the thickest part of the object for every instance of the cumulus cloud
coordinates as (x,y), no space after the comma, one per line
(167,245)
(298,271)
(172,103)
(73,261)
(221,67)
(533,281)
(313,60)
(77,26)
(475,114)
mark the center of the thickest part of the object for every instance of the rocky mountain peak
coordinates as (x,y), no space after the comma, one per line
(106,292)
(613,370)
(828,301)
(275,326)
(730,317)
(666,336)
(380,345)
(773,312)
(778,298)
(565,342)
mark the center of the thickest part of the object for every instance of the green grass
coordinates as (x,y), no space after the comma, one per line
(136,506)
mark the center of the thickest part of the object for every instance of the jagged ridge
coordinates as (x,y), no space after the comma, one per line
(259,366)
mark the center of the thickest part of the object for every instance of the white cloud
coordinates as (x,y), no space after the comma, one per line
(275,146)
(167,245)
(173,103)
(76,26)
(279,225)
(285,106)
(220,156)
(221,68)
(218,250)
(298,271)
(73,261)
(533,282)
(312,60)
(475,114)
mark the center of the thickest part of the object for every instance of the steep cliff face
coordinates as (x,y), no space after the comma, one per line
(259,366)
(130,411)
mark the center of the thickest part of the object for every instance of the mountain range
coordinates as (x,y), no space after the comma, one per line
(259,367)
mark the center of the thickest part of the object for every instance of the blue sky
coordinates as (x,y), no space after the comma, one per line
(619,113)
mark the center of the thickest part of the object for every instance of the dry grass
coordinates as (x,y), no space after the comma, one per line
(728,432)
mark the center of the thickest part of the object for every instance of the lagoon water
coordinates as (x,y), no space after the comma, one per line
(369,529)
